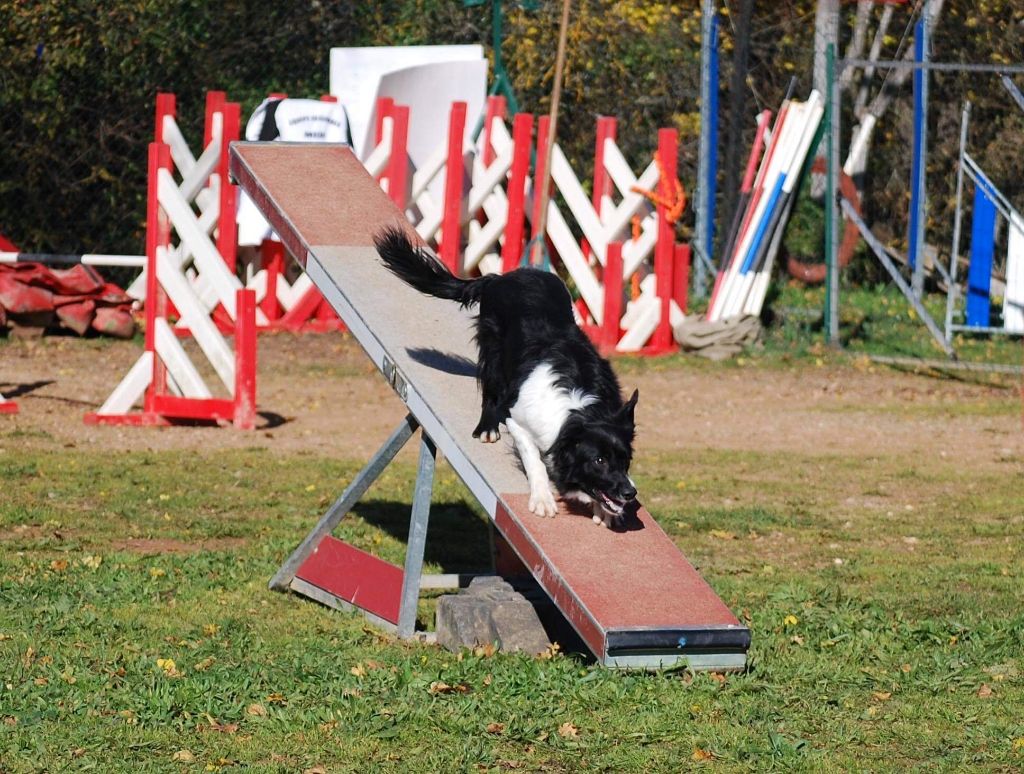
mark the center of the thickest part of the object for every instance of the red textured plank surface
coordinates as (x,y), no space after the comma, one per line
(327,195)
(355,576)
(606,580)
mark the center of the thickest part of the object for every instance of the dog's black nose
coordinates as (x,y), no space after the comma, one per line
(628,492)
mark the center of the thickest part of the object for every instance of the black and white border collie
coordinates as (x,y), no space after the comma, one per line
(541,377)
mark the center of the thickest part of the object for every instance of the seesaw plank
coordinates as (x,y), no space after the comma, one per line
(631,595)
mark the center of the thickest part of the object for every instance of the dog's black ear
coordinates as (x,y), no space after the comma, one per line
(629,406)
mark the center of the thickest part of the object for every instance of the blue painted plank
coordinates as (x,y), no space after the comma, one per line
(979,274)
(762,226)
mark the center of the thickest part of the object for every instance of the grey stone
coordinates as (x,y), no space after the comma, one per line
(489,612)
(518,627)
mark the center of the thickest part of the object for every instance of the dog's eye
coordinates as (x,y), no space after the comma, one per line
(599,460)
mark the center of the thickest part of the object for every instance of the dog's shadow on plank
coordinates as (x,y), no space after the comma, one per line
(448,362)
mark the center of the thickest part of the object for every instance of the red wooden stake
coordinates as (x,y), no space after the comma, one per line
(272,261)
(512,249)
(397,171)
(214,104)
(227,224)
(543,127)
(606,129)
(610,330)
(166,105)
(664,250)
(158,234)
(384,105)
(495,109)
(454,180)
(681,277)
(245,359)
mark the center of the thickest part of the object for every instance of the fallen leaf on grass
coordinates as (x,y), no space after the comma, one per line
(256,710)
(277,698)
(796,639)
(59,565)
(790,620)
(702,755)
(315,770)
(568,731)
(205,664)
(92,562)
(550,652)
(485,651)
(41,681)
(985,692)
(718,677)
(881,695)
(168,666)
(722,534)
(220,728)
(439,687)
(183,756)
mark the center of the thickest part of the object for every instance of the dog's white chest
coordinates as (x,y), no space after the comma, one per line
(542,407)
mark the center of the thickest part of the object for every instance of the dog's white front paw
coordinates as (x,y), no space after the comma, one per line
(490,436)
(602,516)
(543,504)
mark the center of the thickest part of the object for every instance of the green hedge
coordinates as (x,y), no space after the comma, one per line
(78,81)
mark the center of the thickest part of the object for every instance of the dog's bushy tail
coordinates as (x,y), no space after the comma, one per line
(417,268)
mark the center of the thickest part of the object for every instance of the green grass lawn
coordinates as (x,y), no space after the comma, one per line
(884,602)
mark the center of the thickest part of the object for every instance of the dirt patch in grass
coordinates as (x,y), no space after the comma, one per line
(169,546)
(320,394)
(33,532)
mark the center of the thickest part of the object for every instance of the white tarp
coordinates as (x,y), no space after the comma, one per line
(356,75)
(1013,300)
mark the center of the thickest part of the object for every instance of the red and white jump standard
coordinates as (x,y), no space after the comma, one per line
(632,596)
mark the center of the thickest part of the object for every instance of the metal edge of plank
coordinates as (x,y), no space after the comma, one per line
(690,637)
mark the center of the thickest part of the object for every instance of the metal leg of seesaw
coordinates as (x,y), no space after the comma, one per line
(380,460)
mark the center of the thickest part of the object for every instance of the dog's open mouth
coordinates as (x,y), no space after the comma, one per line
(611,504)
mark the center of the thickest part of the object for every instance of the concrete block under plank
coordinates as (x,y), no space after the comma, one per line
(490,612)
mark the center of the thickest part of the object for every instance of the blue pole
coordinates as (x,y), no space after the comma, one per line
(711,183)
(915,231)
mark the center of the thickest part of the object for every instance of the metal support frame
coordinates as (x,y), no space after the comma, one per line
(919,173)
(832,216)
(708,131)
(879,250)
(954,253)
(417,537)
(352,494)
(412,579)
(924,65)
